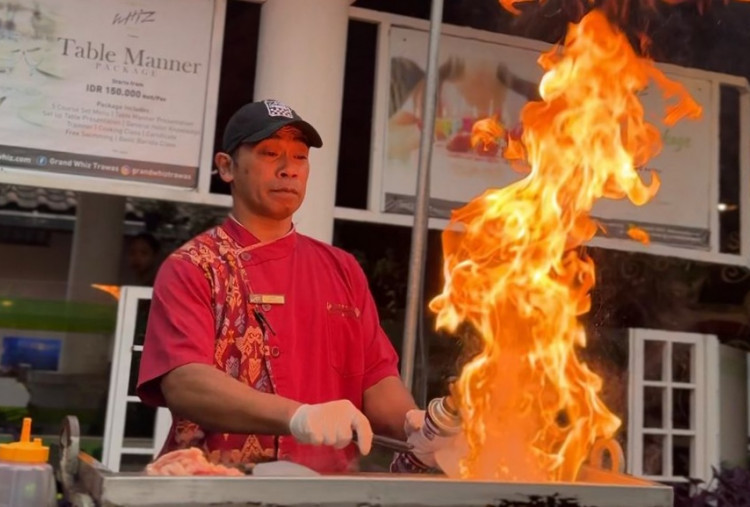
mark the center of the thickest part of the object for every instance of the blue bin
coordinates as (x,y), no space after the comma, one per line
(38,353)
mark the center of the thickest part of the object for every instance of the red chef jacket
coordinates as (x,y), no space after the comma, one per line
(322,340)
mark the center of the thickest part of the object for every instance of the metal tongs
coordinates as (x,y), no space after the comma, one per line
(392,444)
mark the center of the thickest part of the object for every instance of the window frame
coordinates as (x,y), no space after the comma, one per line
(705,404)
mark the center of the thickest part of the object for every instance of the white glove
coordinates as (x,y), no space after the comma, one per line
(333,423)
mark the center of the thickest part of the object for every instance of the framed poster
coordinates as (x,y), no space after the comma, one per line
(105,88)
(480,79)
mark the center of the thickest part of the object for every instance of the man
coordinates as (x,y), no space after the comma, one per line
(142,259)
(265,344)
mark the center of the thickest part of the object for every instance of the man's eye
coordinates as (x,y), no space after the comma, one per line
(301,157)
(270,153)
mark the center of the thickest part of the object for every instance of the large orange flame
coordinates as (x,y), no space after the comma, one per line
(531,408)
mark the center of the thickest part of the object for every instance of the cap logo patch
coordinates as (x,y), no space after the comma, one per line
(276,108)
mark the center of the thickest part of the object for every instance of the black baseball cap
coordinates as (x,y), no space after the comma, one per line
(256,121)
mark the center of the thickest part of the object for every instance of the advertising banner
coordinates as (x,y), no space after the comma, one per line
(105,88)
(480,79)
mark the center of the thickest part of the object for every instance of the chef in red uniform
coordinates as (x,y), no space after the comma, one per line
(264,343)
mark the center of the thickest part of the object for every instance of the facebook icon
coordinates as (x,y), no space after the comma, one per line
(41,160)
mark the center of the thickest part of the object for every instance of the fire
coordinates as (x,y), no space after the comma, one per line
(513,269)
(486,133)
(639,234)
(510,5)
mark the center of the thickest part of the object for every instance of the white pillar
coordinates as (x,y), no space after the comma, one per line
(301,57)
(95,259)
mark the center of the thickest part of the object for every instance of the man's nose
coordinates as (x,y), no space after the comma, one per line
(286,169)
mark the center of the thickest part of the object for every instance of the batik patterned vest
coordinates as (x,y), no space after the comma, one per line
(241,347)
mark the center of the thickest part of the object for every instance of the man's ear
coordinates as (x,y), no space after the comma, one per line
(224,163)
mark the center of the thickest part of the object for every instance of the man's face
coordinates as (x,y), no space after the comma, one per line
(141,257)
(270,178)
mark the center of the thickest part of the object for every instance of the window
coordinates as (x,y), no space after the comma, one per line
(134,433)
(673,405)
(357,114)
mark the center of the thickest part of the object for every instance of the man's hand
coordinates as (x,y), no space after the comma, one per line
(414,421)
(333,423)
(424,449)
